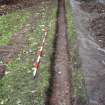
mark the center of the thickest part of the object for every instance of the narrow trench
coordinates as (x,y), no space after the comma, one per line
(59,91)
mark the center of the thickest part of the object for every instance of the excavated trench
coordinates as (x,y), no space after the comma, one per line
(59,92)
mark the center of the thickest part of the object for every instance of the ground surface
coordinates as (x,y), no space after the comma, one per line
(93,7)
(18,53)
(60,74)
(97,22)
(89,25)
(8,7)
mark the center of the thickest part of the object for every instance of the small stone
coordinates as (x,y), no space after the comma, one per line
(59,72)
(2,102)
(1,62)
(75,63)
(30,51)
(33,91)
(66,91)
(3,6)
(7,72)
(100,40)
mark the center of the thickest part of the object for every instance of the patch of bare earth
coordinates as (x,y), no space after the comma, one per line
(60,93)
(93,7)
(14,5)
(97,26)
(97,23)
(93,54)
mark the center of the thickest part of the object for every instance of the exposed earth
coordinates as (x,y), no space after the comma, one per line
(89,25)
(93,7)
(16,5)
(97,26)
(60,89)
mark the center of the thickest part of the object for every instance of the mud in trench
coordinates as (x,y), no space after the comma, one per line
(60,89)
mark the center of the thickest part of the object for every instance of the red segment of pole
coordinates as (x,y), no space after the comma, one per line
(37,64)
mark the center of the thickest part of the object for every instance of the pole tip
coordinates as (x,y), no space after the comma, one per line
(34,72)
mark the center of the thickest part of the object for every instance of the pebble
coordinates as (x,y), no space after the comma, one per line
(33,91)
(7,72)
(59,72)
(2,102)
(100,40)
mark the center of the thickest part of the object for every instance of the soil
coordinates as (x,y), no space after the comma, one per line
(97,26)
(92,54)
(91,7)
(97,23)
(8,7)
(2,70)
(60,88)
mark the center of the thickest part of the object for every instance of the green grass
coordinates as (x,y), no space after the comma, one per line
(10,24)
(77,75)
(17,87)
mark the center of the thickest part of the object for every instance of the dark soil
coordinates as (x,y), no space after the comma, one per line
(13,6)
(60,88)
(93,7)
(92,56)
(2,70)
(97,26)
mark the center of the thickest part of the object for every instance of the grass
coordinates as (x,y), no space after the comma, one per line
(77,75)
(17,87)
(10,24)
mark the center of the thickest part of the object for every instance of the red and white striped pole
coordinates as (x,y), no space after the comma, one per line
(40,51)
